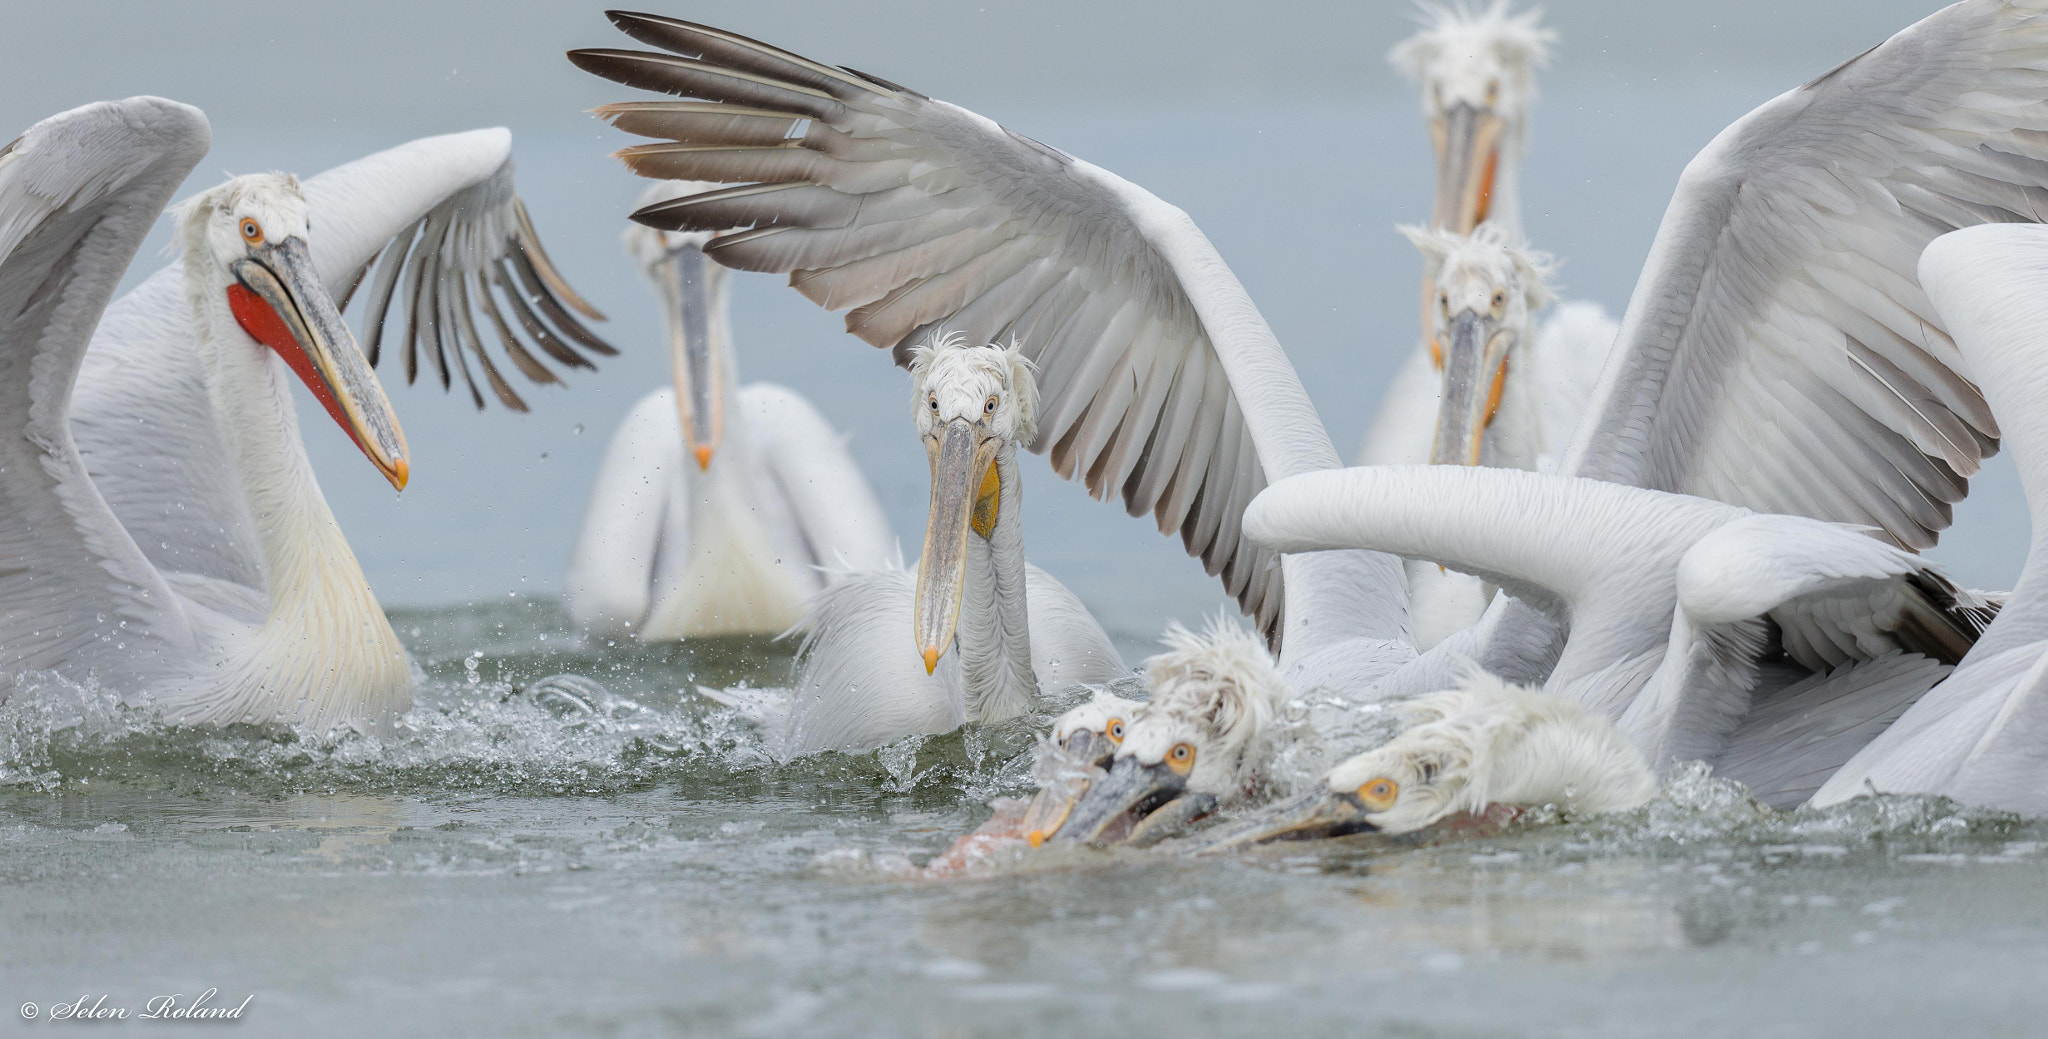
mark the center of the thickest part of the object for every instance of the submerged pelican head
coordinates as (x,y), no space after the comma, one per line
(1482,742)
(1196,742)
(1476,69)
(692,291)
(1487,288)
(1084,740)
(973,405)
(244,243)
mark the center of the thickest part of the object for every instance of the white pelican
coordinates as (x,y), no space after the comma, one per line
(1199,742)
(1019,629)
(1978,737)
(1477,69)
(718,508)
(171,540)
(1483,742)
(1481,409)
(1673,604)
(1161,383)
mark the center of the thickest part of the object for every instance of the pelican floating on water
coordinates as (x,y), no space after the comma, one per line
(171,541)
(1160,382)
(718,508)
(1015,628)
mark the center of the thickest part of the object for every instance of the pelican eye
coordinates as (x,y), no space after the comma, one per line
(1378,794)
(1181,758)
(252,232)
(935,403)
(1500,300)
(988,407)
(1114,730)
(1492,91)
(1444,300)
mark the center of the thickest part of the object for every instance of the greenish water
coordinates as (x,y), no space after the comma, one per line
(517,865)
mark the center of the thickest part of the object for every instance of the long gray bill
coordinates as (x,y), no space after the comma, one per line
(959,466)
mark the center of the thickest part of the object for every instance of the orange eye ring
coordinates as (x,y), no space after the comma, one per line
(988,407)
(1378,794)
(1114,730)
(1181,758)
(252,232)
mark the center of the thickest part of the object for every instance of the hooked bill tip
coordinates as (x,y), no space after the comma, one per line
(1036,837)
(931,659)
(703,456)
(401,473)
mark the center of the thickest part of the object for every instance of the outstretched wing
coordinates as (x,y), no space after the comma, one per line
(1159,381)
(1779,352)
(457,251)
(436,225)
(78,193)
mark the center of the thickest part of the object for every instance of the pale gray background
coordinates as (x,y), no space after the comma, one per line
(1277,126)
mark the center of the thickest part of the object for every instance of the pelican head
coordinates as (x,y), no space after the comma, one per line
(1476,69)
(1197,741)
(973,405)
(1084,740)
(693,306)
(1486,290)
(244,243)
(1481,742)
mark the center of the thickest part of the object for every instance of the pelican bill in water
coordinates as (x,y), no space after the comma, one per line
(1199,743)
(1481,743)
(177,546)
(1161,383)
(719,508)
(1978,737)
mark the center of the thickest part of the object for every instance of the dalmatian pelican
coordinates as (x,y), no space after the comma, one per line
(1477,70)
(719,508)
(171,542)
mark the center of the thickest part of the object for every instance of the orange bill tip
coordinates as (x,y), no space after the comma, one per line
(1036,837)
(931,659)
(703,456)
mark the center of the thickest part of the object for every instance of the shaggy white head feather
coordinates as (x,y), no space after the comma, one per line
(1215,694)
(1487,741)
(1484,272)
(210,229)
(1481,57)
(953,379)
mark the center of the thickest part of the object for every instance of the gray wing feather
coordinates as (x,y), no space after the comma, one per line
(1159,382)
(1779,353)
(78,193)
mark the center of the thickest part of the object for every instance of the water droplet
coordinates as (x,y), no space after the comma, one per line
(577,429)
